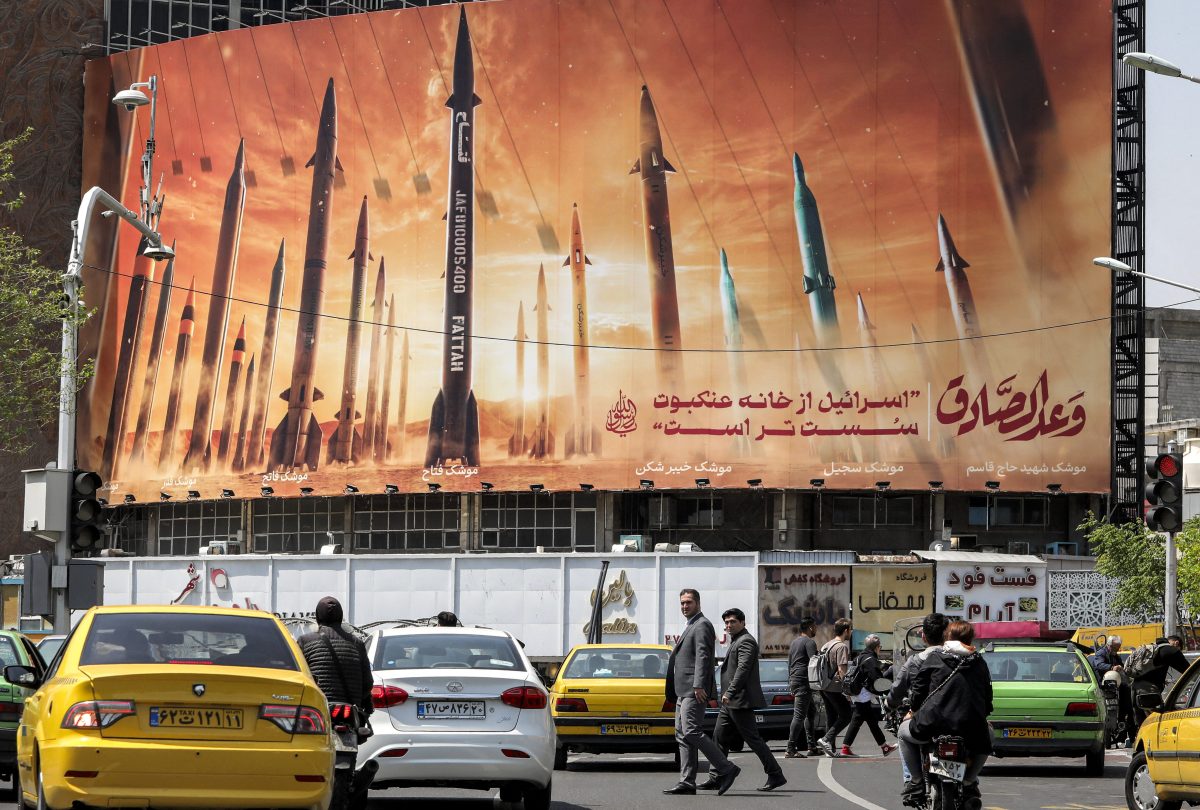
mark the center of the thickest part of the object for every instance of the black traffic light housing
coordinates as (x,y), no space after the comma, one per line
(85,512)
(1164,492)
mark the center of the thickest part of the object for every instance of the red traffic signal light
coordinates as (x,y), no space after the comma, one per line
(1164,490)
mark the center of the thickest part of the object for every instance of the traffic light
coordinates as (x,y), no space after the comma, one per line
(85,516)
(1164,492)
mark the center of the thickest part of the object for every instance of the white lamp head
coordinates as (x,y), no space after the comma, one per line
(1152,63)
(131,99)
(1111,264)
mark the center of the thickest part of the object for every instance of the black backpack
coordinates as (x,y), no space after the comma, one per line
(855,679)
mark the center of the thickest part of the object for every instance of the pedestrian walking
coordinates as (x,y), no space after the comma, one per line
(690,681)
(741,694)
(801,737)
(837,707)
(864,703)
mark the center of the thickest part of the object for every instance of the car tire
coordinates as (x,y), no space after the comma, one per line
(537,798)
(1094,763)
(41,790)
(560,758)
(1140,793)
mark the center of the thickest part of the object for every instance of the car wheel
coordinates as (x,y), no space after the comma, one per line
(537,798)
(1140,792)
(560,758)
(1094,764)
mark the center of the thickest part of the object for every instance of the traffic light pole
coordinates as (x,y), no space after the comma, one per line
(1171,612)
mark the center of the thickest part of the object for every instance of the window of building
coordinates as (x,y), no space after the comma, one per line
(700,513)
(1007,511)
(521,522)
(130,529)
(186,526)
(406,522)
(872,511)
(297,524)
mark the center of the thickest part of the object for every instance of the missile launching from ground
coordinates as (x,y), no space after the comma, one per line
(402,403)
(652,165)
(200,447)
(187,325)
(818,281)
(150,383)
(962,303)
(345,445)
(239,455)
(541,442)
(296,441)
(231,394)
(454,420)
(131,340)
(583,437)
(369,426)
(256,443)
(389,352)
(516,442)
(733,343)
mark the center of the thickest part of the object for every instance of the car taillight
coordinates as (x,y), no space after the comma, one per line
(948,750)
(564,704)
(10,712)
(780,700)
(340,715)
(1081,709)
(668,706)
(97,713)
(294,719)
(712,704)
(385,697)
(524,697)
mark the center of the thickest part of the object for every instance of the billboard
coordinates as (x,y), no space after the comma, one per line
(885,594)
(674,240)
(788,593)
(993,593)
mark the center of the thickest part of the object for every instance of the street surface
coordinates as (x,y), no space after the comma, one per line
(871,783)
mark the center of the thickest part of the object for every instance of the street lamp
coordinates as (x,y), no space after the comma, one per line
(1118,266)
(1154,64)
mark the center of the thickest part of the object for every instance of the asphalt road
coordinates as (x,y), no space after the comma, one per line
(869,783)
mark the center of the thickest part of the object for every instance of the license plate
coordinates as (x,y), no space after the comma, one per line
(625,728)
(758,718)
(948,768)
(450,709)
(180,717)
(1021,733)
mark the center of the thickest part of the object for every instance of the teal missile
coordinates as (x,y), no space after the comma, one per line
(733,341)
(818,281)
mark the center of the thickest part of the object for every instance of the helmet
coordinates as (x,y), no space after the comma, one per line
(1113,677)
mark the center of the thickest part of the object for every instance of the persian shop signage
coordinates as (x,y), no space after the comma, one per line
(787,593)
(885,594)
(619,590)
(993,593)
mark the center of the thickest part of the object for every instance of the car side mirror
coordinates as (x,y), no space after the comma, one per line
(1151,702)
(22,676)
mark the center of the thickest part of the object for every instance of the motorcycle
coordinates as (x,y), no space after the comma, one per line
(945,768)
(350,787)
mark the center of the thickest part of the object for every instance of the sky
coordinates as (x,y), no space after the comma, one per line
(1172,170)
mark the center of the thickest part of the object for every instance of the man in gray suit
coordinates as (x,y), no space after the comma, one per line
(741,694)
(689,683)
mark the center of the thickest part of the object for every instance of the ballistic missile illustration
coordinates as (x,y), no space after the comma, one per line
(153,361)
(369,426)
(818,281)
(962,303)
(389,352)
(733,342)
(653,166)
(402,403)
(296,441)
(183,344)
(256,443)
(454,420)
(583,438)
(866,336)
(541,441)
(199,452)
(345,445)
(516,443)
(239,455)
(231,393)
(131,340)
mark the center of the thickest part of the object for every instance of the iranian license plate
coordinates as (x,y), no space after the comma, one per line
(183,717)
(450,709)
(1025,733)
(625,728)
(758,718)
(948,768)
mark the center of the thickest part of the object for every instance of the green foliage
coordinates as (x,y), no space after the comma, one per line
(33,307)
(1136,557)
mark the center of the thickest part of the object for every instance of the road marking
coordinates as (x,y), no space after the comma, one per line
(825,773)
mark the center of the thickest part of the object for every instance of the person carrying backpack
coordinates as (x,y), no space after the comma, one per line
(831,663)
(864,701)
(1148,666)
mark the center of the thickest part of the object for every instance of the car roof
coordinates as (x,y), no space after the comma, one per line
(602,647)
(428,631)
(1019,647)
(210,610)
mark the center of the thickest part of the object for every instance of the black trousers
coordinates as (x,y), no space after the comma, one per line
(837,714)
(804,712)
(743,720)
(865,713)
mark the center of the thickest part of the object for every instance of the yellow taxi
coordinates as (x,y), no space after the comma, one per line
(154,706)
(611,698)
(1165,769)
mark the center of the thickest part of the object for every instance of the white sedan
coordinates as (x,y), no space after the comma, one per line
(459,707)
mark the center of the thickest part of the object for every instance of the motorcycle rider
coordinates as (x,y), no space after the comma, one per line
(933,630)
(958,708)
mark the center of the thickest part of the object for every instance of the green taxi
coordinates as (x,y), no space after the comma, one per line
(1046,702)
(15,650)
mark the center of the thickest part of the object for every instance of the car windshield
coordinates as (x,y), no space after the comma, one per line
(8,652)
(1040,665)
(772,670)
(186,638)
(618,662)
(446,651)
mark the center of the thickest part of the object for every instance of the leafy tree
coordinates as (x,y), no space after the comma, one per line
(1136,557)
(33,307)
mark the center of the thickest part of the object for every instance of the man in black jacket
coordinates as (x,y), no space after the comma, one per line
(801,735)
(1168,654)
(337,659)
(741,694)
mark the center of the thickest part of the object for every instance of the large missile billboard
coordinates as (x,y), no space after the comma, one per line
(824,150)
